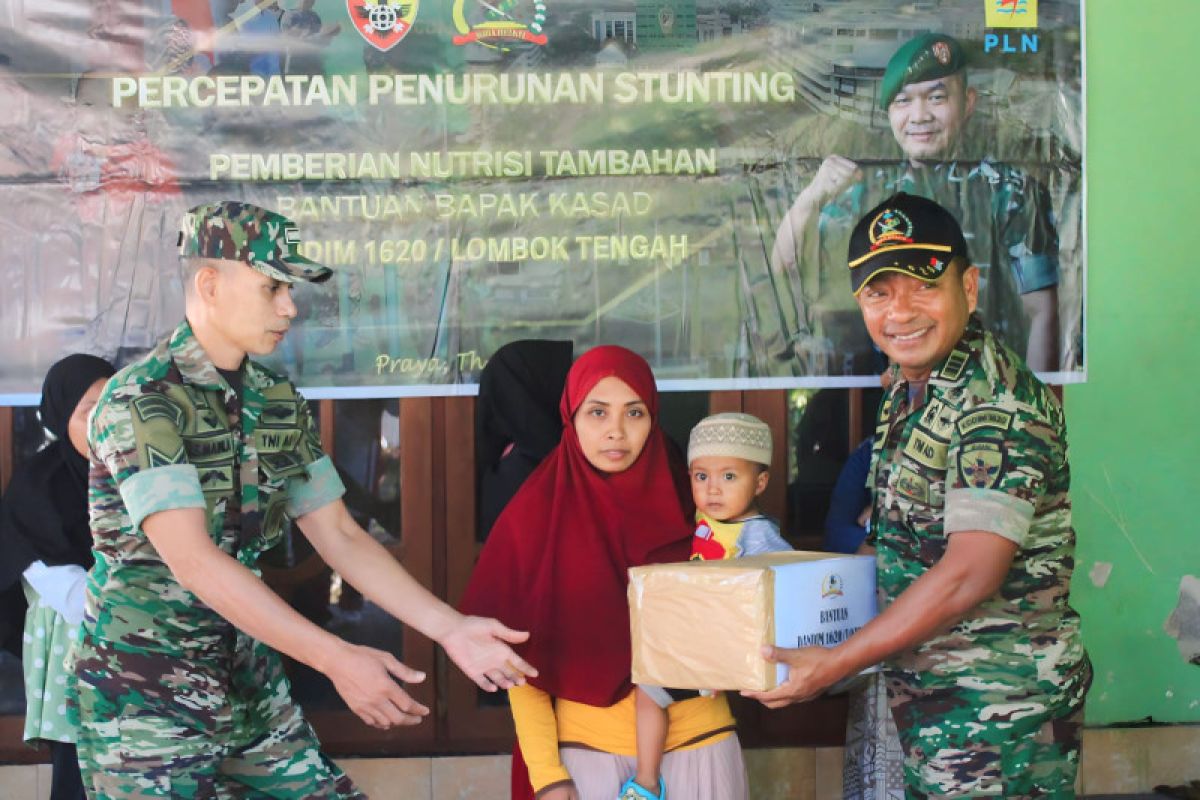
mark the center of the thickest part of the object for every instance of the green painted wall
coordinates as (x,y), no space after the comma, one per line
(1135,451)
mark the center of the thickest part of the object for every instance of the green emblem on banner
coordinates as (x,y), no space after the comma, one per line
(499,25)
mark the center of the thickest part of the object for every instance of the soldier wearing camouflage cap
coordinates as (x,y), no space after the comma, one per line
(266,241)
(971,529)
(201,458)
(925,93)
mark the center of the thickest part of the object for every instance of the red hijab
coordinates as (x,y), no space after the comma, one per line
(556,562)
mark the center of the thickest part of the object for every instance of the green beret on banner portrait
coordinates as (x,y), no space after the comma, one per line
(928,56)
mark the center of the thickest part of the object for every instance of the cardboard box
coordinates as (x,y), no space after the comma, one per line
(702,624)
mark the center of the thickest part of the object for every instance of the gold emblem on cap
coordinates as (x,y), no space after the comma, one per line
(886,228)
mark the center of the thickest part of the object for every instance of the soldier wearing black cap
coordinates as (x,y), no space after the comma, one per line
(971,528)
(1007,217)
(200,459)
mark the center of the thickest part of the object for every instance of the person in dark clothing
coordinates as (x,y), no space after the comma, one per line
(850,503)
(517,420)
(45,551)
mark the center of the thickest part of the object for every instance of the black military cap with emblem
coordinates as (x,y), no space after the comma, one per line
(907,234)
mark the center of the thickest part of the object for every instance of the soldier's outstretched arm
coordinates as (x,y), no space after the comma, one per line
(479,646)
(972,569)
(363,676)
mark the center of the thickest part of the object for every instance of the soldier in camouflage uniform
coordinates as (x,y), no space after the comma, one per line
(200,457)
(1006,215)
(971,528)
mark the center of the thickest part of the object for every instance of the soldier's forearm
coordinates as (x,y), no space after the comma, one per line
(233,591)
(371,569)
(971,571)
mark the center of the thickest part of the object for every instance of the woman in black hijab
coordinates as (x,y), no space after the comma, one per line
(46,549)
(517,421)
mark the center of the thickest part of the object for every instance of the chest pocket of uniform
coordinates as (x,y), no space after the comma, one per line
(921,479)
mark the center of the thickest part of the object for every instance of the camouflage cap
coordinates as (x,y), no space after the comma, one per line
(235,231)
(928,56)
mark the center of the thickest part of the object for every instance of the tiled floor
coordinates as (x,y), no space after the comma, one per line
(1117,762)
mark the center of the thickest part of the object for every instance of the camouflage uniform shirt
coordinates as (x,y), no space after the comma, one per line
(168,432)
(986,450)
(163,682)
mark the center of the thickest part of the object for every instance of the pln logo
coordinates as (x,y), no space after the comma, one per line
(831,586)
(1010,13)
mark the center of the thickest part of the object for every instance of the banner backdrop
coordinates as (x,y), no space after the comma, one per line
(676,176)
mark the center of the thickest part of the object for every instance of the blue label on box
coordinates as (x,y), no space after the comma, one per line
(821,603)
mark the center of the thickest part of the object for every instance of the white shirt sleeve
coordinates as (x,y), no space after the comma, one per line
(61,588)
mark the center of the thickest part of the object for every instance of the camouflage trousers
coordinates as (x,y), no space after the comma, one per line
(153,725)
(951,751)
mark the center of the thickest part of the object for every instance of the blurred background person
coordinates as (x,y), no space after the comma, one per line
(46,549)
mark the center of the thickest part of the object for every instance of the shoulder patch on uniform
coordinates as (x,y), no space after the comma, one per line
(210,447)
(280,466)
(985,418)
(924,449)
(913,486)
(280,414)
(159,458)
(980,464)
(152,406)
(938,420)
(952,370)
(267,440)
(216,479)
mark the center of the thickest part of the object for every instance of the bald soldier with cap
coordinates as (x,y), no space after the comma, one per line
(200,458)
(1006,216)
(971,528)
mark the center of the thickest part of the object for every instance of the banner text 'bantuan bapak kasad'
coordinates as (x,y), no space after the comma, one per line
(676,176)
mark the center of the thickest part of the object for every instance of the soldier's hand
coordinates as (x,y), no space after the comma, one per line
(811,670)
(835,175)
(366,679)
(480,648)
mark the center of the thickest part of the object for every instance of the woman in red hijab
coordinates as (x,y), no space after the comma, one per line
(612,495)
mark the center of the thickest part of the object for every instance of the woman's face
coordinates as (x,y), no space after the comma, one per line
(77,424)
(613,424)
